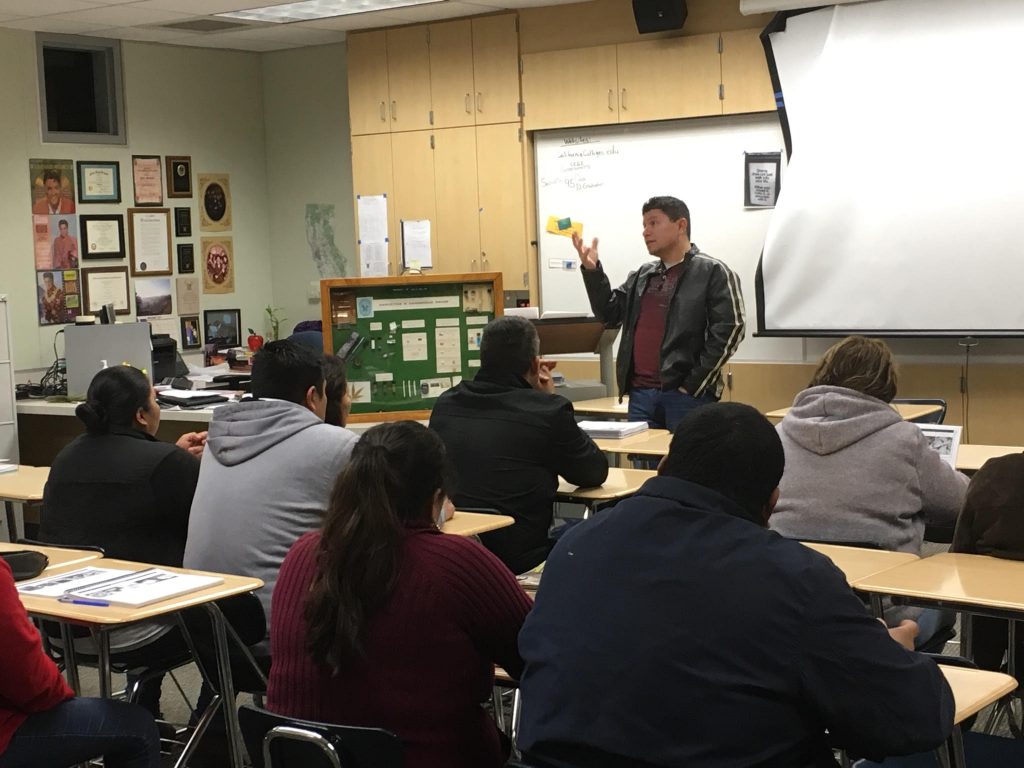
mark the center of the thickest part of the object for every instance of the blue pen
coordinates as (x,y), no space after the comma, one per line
(83,601)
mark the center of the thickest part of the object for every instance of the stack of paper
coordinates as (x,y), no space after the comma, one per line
(6,466)
(613,429)
(117,586)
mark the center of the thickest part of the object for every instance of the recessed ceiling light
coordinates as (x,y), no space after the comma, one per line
(308,10)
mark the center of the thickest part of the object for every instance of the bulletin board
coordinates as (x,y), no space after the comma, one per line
(407,339)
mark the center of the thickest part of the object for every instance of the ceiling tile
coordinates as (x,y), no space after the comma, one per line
(125,16)
(232,42)
(38,8)
(297,33)
(144,34)
(56,24)
(200,7)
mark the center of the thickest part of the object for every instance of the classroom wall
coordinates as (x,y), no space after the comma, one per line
(309,161)
(180,101)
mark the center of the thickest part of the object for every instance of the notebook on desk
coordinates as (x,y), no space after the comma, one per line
(189,398)
(613,429)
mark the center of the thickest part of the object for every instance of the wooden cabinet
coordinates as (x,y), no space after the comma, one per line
(664,79)
(746,85)
(409,78)
(451,73)
(368,100)
(372,175)
(496,69)
(503,246)
(413,162)
(458,203)
(570,87)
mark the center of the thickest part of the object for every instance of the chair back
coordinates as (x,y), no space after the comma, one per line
(932,418)
(275,741)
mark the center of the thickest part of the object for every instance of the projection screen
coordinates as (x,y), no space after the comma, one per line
(902,205)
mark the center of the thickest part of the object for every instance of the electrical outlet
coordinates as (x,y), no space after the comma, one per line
(313,290)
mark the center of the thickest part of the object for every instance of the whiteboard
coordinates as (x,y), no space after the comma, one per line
(602,176)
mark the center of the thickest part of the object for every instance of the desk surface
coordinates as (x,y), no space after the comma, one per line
(857,563)
(25,484)
(620,483)
(57,556)
(472,523)
(49,607)
(970,458)
(908,411)
(975,689)
(653,442)
(602,406)
(976,580)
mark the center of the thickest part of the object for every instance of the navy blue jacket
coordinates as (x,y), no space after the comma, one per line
(675,630)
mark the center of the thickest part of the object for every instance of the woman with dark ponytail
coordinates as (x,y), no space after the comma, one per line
(119,488)
(380,620)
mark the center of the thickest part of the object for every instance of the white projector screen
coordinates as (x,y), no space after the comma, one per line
(903,198)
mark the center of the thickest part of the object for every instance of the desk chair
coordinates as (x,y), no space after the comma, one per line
(275,741)
(931,418)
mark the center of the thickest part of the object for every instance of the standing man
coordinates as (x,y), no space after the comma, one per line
(681,318)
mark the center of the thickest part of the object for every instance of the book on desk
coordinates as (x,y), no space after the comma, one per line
(612,429)
(117,586)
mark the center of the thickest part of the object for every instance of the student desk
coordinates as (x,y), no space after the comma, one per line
(653,442)
(909,411)
(619,484)
(24,486)
(858,563)
(602,406)
(57,556)
(101,619)
(970,458)
(973,690)
(472,523)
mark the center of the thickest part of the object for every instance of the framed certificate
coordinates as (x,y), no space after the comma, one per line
(147,178)
(99,182)
(102,236)
(105,285)
(179,176)
(149,240)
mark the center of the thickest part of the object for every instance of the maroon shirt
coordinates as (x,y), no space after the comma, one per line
(430,652)
(650,327)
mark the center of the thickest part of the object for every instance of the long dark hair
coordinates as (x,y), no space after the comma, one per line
(115,395)
(389,485)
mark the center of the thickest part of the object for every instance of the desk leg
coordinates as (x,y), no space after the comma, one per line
(12,521)
(70,662)
(966,635)
(102,638)
(956,748)
(876,606)
(227,686)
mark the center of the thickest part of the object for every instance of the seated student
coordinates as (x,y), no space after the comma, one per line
(674,630)
(992,523)
(856,472)
(510,437)
(41,723)
(268,469)
(380,620)
(119,488)
(339,399)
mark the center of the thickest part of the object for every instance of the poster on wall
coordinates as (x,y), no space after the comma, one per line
(52,184)
(57,296)
(761,180)
(214,202)
(218,265)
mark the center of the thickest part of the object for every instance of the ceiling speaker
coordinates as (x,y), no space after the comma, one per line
(659,15)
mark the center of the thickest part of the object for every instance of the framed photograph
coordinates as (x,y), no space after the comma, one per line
(191,333)
(152,296)
(179,176)
(105,285)
(149,240)
(218,265)
(214,202)
(186,258)
(147,179)
(183,222)
(223,327)
(99,182)
(102,236)
(761,180)
(53,186)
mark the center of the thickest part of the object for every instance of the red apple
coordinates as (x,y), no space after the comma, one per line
(255,342)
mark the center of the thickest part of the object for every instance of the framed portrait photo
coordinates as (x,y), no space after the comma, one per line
(191,332)
(214,202)
(179,176)
(186,258)
(99,182)
(105,285)
(223,327)
(183,222)
(147,179)
(149,240)
(102,236)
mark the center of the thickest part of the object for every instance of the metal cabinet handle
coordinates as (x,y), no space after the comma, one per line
(394,110)
(611,100)
(469,109)
(472,265)
(624,99)
(383,112)
(479,101)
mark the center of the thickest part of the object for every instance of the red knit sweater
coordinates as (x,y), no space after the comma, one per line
(29,680)
(430,652)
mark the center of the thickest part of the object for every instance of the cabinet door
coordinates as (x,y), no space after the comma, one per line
(455,182)
(496,69)
(414,183)
(663,79)
(502,203)
(372,175)
(746,84)
(368,83)
(409,78)
(570,87)
(451,74)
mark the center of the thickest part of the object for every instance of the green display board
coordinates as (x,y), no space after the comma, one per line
(407,340)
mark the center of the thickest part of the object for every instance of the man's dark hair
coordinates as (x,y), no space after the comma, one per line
(286,370)
(672,207)
(509,345)
(729,448)
(51,174)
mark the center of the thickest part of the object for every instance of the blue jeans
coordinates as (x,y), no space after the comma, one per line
(664,409)
(79,730)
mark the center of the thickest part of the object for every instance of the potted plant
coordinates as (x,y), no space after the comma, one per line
(275,319)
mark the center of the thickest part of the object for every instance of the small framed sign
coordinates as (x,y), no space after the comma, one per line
(186,258)
(183,222)
(179,176)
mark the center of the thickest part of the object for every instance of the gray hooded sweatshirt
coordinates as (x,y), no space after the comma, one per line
(264,481)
